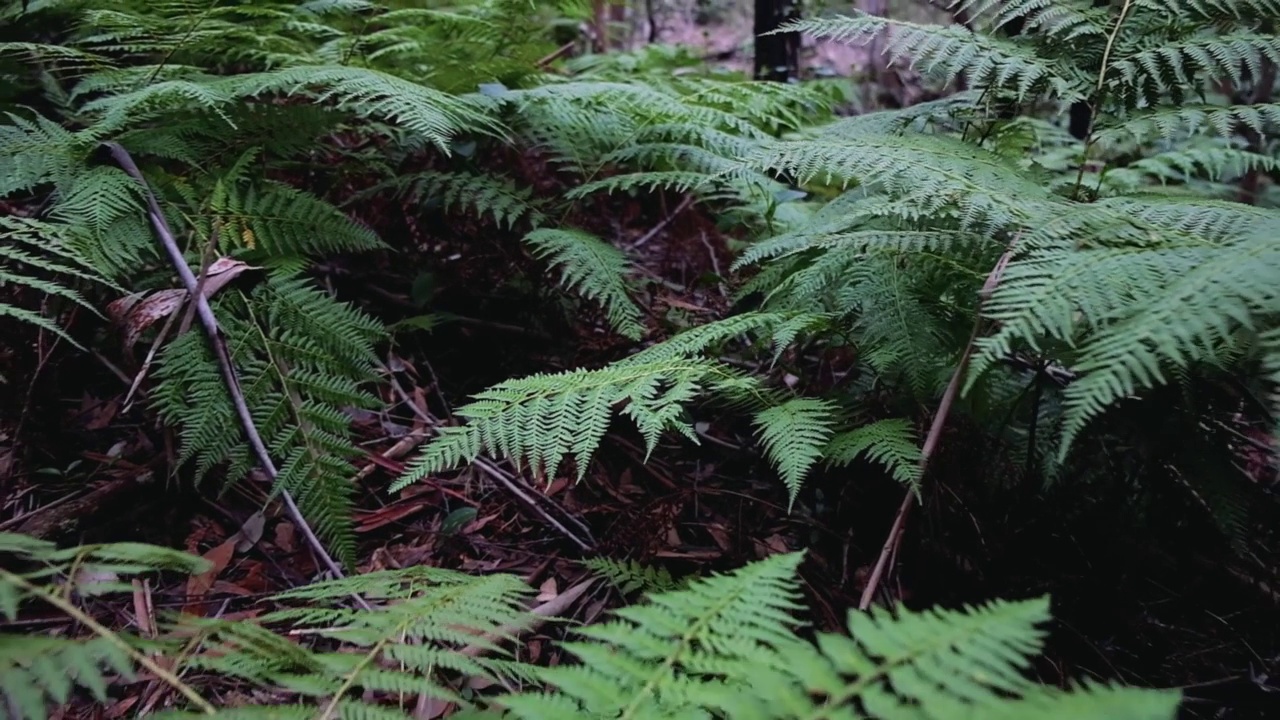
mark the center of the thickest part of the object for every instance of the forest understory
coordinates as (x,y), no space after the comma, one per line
(1161,573)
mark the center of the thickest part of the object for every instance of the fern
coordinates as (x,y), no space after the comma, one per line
(1111,270)
(595,270)
(631,576)
(724,647)
(407,645)
(503,200)
(892,443)
(541,420)
(36,670)
(793,435)
(35,255)
(304,358)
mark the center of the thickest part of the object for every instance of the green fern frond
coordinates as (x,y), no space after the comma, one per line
(793,435)
(1225,293)
(37,670)
(540,420)
(935,172)
(950,52)
(631,576)
(276,221)
(302,358)
(723,647)
(434,116)
(650,661)
(781,327)
(38,256)
(594,269)
(35,152)
(1170,123)
(891,443)
(679,181)
(503,200)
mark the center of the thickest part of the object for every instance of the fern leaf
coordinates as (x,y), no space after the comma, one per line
(891,443)
(594,269)
(630,576)
(541,419)
(793,435)
(648,662)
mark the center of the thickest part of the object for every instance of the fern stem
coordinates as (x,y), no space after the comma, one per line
(663,671)
(935,431)
(105,633)
(365,662)
(1097,92)
(210,323)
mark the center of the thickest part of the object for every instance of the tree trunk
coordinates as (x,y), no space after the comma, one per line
(777,56)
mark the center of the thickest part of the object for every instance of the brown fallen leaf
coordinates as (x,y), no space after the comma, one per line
(137,311)
(199,585)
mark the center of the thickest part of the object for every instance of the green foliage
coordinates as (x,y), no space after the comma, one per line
(36,670)
(407,645)
(725,647)
(304,358)
(34,255)
(892,443)
(541,420)
(722,646)
(1125,259)
(793,435)
(594,269)
(631,576)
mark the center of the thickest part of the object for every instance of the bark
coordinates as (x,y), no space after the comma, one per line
(777,56)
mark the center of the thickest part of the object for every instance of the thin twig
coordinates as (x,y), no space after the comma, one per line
(210,323)
(935,434)
(662,225)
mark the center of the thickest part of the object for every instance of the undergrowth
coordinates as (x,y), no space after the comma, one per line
(722,646)
(1066,277)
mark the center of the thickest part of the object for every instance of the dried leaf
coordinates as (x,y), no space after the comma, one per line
(198,585)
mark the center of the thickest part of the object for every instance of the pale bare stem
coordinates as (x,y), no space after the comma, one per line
(225,365)
(935,434)
(1097,91)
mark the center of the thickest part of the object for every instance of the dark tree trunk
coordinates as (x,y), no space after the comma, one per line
(777,56)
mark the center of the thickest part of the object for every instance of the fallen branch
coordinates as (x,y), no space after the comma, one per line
(894,539)
(216,339)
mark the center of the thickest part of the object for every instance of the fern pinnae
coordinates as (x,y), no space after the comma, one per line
(891,443)
(593,268)
(793,435)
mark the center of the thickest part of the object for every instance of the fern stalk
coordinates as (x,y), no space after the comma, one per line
(894,539)
(1102,78)
(210,323)
(105,633)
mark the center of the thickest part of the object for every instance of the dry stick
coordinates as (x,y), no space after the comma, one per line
(219,344)
(935,434)
(662,225)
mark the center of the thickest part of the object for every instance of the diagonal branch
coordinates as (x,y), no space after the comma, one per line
(935,433)
(216,339)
